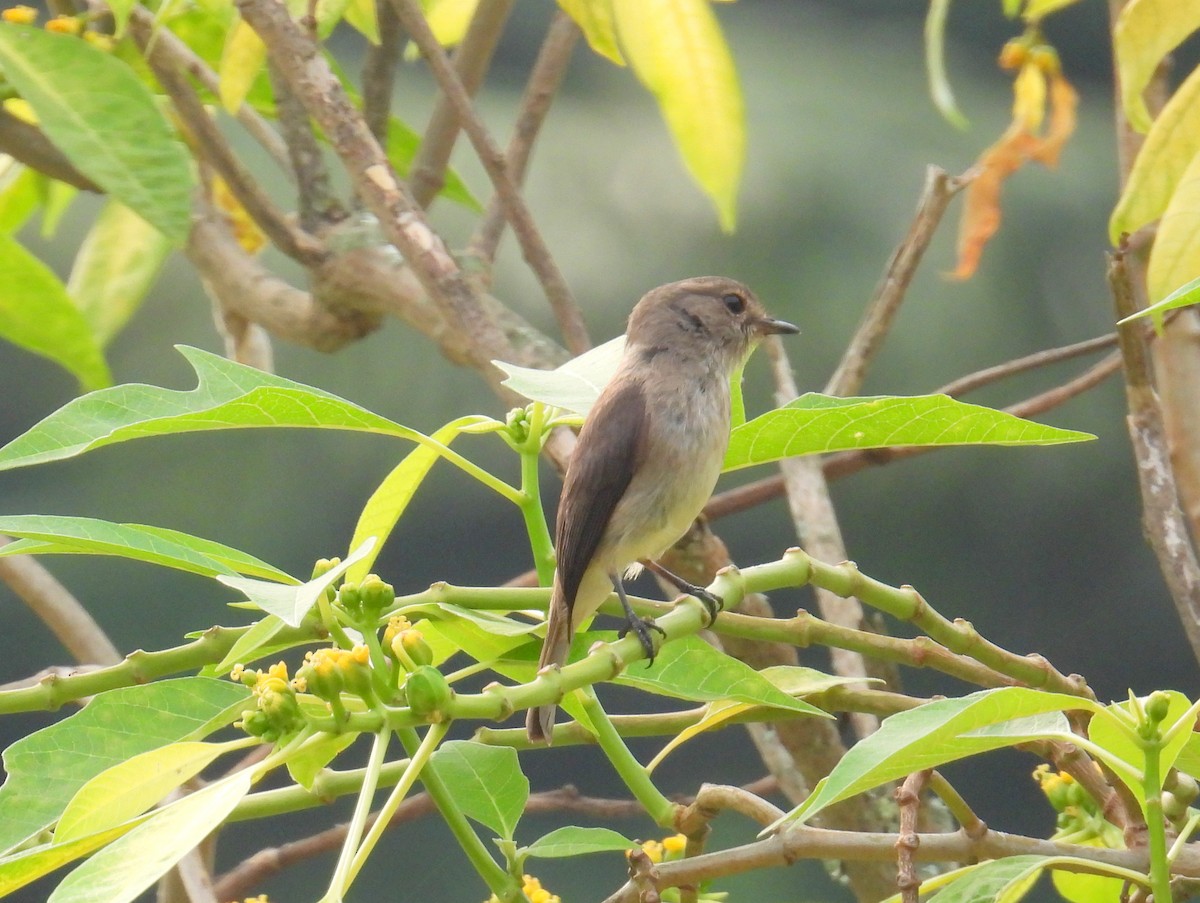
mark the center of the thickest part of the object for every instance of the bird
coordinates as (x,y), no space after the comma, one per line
(648,455)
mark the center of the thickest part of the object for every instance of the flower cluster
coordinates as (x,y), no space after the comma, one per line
(533,890)
(276,712)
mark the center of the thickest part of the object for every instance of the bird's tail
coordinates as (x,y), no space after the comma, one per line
(539,723)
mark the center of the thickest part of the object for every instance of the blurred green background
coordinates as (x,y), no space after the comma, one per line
(1040,548)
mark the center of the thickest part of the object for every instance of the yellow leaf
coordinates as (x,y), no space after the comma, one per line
(245,230)
(715,714)
(1146,31)
(1036,9)
(1172,143)
(1175,257)
(243,58)
(448,19)
(595,20)
(678,51)
(360,14)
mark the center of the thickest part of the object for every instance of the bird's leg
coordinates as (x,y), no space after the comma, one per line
(711,601)
(640,626)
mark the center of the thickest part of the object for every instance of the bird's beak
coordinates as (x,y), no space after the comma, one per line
(771,326)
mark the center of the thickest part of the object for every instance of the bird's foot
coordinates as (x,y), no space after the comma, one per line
(712,603)
(641,628)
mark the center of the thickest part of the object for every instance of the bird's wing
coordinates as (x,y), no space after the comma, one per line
(611,447)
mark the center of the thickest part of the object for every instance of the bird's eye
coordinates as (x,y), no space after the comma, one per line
(734,303)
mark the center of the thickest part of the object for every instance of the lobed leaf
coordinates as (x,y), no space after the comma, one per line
(575,385)
(97,112)
(57,535)
(939,732)
(821,423)
(37,314)
(229,396)
(677,50)
(485,782)
(46,769)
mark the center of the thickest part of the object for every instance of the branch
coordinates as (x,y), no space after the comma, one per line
(56,607)
(544,80)
(471,62)
(400,218)
(1162,519)
(908,799)
(379,72)
(293,241)
(851,371)
(803,842)
(28,144)
(533,247)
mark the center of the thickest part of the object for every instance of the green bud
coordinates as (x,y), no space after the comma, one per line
(376,595)
(1157,706)
(416,647)
(428,692)
(350,598)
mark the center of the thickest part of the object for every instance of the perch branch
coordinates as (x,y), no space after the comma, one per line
(379,72)
(908,799)
(28,144)
(317,204)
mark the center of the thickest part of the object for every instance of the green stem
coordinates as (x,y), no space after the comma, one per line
(328,785)
(661,809)
(493,875)
(491,481)
(531,499)
(1156,835)
(419,760)
(343,875)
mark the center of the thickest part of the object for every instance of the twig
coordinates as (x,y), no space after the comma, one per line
(843,464)
(471,62)
(57,608)
(28,144)
(293,241)
(804,842)
(245,342)
(533,247)
(379,72)
(544,80)
(400,219)
(908,798)
(1162,520)
(939,190)
(817,528)
(317,205)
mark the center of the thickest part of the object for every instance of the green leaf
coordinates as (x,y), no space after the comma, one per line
(97,112)
(820,423)
(1111,732)
(117,264)
(122,870)
(37,314)
(402,145)
(19,195)
(1035,10)
(689,668)
(575,385)
(595,20)
(1184,296)
(250,646)
(994,881)
(935,64)
(677,50)
(29,865)
(1172,143)
(290,603)
(1175,255)
(132,787)
(47,768)
(576,841)
(1145,32)
(485,782)
(390,500)
(56,200)
(939,732)
(54,534)
(229,396)
(311,759)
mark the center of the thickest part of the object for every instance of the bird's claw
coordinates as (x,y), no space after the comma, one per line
(713,604)
(641,628)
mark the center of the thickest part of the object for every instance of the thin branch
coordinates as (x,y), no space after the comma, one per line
(544,80)
(317,205)
(400,219)
(471,62)
(908,799)
(379,72)
(293,241)
(1162,519)
(988,375)
(817,528)
(939,190)
(57,608)
(533,247)
(28,144)
(843,464)
(803,842)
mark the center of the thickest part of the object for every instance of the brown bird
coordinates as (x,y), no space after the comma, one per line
(649,453)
